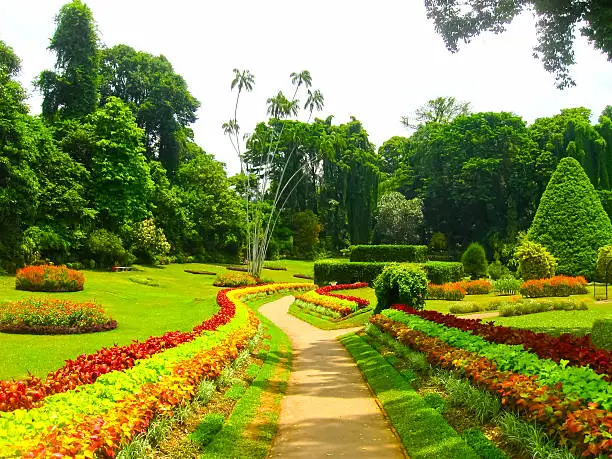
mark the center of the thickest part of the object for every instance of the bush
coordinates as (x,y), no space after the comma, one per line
(604,263)
(497,270)
(441,272)
(451,291)
(47,278)
(554,286)
(476,287)
(400,284)
(520,306)
(601,335)
(438,241)
(507,286)
(150,242)
(53,316)
(570,220)
(535,262)
(344,272)
(474,260)
(466,307)
(234,279)
(384,252)
(107,249)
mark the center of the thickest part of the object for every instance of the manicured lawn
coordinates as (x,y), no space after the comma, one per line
(180,302)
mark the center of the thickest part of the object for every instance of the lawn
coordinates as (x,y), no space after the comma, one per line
(180,302)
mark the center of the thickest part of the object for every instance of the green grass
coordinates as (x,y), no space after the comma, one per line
(181,301)
(422,429)
(230,441)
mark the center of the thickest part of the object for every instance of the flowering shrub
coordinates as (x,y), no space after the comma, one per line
(476,287)
(53,316)
(234,279)
(554,286)
(150,241)
(337,306)
(452,291)
(48,278)
(361,302)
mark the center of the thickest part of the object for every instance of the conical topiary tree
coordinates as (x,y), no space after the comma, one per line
(570,220)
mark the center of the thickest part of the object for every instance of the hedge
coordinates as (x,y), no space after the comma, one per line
(389,252)
(345,272)
(441,272)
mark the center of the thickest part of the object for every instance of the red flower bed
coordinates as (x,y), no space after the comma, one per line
(47,278)
(578,351)
(361,302)
(554,286)
(586,427)
(452,291)
(85,369)
(476,287)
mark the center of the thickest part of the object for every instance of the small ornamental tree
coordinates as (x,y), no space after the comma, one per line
(400,284)
(604,263)
(570,220)
(535,262)
(474,260)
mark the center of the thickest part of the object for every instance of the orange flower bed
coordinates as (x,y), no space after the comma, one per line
(554,286)
(48,278)
(452,291)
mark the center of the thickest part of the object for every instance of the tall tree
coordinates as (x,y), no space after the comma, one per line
(439,110)
(556,23)
(158,96)
(73,89)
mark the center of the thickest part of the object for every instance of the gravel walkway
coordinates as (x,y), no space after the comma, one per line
(328,409)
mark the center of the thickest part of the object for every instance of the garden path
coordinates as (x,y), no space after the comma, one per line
(328,409)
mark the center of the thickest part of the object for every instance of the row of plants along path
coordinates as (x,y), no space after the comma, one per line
(104,414)
(333,305)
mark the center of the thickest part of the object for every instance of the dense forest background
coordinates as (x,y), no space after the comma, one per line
(110,173)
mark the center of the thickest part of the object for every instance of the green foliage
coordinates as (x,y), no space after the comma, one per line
(306,229)
(474,260)
(481,444)
(507,286)
(465,307)
(400,284)
(206,430)
(344,272)
(74,89)
(521,306)
(234,279)
(601,334)
(603,265)
(149,241)
(534,261)
(570,221)
(398,220)
(497,270)
(384,252)
(438,241)
(442,272)
(107,249)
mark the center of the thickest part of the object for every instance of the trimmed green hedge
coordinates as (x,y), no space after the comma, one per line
(601,335)
(441,272)
(345,272)
(389,252)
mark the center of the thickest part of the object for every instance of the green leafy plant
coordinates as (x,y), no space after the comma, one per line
(570,220)
(601,335)
(400,284)
(507,286)
(388,252)
(474,260)
(441,272)
(234,279)
(345,272)
(107,249)
(535,262)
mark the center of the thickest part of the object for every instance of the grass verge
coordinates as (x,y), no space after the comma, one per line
(357,319)
(422,429)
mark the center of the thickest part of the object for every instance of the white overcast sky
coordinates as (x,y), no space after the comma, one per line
(375,60)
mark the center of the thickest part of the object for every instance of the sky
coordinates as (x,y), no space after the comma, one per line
(374,60)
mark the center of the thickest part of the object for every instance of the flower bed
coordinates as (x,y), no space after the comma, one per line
(86,369)
(584,427)
(99,417)
(554,286)
(476,287)
(47,278)
(234,280)
(334,305)
(451,291)
(53,316)
(577,351)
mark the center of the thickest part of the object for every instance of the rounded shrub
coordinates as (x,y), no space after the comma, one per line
(107,249)
(601,334)
(535,262)
(400,284)
(234,279)
(603,266)
(48,278)
(571,221)
(474,260)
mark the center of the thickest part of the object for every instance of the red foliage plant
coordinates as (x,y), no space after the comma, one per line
(361,302)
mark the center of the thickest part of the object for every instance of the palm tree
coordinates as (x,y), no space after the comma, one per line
(244,79)
(281,107)
(315,100)
(300,78)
